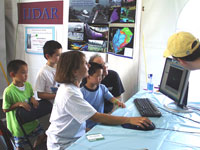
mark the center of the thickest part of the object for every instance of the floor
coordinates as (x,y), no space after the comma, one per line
(43,121)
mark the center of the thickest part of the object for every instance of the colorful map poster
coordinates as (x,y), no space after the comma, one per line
(121,41)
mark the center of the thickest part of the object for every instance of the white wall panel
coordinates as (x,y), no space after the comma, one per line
(159,20)
(3,82)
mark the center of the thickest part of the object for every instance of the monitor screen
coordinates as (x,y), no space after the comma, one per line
(174,82)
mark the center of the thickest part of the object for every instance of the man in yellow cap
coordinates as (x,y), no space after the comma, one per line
(185,48)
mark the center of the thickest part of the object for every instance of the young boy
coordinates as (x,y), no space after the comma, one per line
(111,80)
(95,93)
(18,94)
(45,83)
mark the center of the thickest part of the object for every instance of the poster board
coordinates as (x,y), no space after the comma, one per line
(35,38)
(105,26)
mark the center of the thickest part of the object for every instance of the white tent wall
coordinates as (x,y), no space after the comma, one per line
(187,23)
(157,23)
(11,28)
(3,82)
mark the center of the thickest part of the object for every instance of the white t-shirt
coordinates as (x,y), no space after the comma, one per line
(45,79)
(68,117)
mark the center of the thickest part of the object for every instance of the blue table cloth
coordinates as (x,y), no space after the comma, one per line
(172,132)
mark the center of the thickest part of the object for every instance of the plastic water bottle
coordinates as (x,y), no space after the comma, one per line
(150,83)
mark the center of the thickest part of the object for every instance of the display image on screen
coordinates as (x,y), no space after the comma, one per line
(174,82)
(174,78)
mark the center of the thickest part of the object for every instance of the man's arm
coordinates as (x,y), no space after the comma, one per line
(45,95)
(113,82)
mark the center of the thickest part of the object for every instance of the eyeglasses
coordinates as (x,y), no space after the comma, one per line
(105,65)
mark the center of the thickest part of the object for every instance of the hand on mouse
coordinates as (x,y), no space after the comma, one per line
(140,121)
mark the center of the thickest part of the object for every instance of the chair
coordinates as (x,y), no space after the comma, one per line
(7,136)
(23,116)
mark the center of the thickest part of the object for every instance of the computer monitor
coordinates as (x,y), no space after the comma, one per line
(174,82)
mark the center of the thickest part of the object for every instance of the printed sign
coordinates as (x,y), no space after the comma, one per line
(36,37)
(40,12)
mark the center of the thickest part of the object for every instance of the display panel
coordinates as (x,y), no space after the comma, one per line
(174,82)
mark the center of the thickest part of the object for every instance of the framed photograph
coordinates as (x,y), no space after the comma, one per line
(89,11)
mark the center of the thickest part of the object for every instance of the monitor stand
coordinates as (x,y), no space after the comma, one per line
(175,108)
(181,106)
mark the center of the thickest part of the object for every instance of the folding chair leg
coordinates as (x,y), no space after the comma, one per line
(23,116)
(26,136)
(7,136)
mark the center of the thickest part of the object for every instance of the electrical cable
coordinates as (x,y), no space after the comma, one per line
(193,108)
(179,115)
(178,130)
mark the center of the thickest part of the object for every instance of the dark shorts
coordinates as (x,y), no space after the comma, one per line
(21,141)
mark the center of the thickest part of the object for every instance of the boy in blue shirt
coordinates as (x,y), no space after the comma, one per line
(95,93)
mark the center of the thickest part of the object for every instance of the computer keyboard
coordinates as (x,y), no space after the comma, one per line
(146,108)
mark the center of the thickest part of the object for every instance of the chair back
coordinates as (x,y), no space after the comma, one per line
(25,116)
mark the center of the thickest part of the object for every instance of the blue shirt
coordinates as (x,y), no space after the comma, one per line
(96,99)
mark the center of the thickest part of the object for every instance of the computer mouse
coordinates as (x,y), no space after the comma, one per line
(136,127)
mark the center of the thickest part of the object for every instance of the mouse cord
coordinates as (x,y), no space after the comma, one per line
(179,115)
(178,130)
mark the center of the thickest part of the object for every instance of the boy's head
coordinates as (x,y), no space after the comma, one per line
(183,45)
(52,48)
(95,73)
(185,48)
(98,59)
(18,70)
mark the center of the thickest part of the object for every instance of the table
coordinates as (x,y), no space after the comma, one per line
(118,138)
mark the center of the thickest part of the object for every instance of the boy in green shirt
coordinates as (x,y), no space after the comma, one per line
(18,94)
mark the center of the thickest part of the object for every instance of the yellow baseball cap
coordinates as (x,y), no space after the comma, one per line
(180,45)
